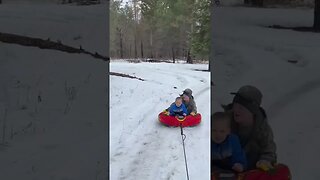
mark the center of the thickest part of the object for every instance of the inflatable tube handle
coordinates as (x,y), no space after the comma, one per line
(180,120)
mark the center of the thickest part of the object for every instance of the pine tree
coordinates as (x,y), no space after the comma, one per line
(201,33)
(156,29)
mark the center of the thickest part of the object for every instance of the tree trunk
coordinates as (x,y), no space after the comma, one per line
(177,53)
(173,55)
(141,50)
(121,45)
(151,41)
(189,59)
(135,29)
(135,47)
(183,53)
(316,23)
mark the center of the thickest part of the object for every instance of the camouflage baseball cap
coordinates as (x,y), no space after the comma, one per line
(248,96)
(187,91)
(250,93)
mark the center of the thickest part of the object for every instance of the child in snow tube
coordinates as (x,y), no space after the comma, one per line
(226,149)
(192,119)
(177,108)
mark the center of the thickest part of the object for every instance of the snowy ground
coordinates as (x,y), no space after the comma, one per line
(142,148)
(72,25)
(53,104)
(248,53)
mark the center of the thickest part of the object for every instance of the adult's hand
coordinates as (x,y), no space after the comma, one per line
(192,113)
(237,167)
(264,165)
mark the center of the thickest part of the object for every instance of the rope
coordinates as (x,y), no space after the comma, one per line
(183,136)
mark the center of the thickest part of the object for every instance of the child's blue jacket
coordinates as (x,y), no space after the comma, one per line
(227,153)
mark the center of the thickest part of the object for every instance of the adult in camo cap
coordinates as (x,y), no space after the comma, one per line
(189,102)
(249,122)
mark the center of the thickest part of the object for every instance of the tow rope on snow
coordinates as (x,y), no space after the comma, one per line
(183,137)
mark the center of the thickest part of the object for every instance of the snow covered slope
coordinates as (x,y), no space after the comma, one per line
(142,148)
(246,52)
(53,104)
(72,25)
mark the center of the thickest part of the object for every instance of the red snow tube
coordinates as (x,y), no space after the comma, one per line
(174,121)
(280,172)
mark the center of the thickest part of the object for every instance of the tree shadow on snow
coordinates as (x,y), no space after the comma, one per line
(125,75)
(298,28)
(202,70)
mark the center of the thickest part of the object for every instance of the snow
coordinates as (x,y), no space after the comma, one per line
(72,25)
(246,52)
(141,147)
(63,136)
